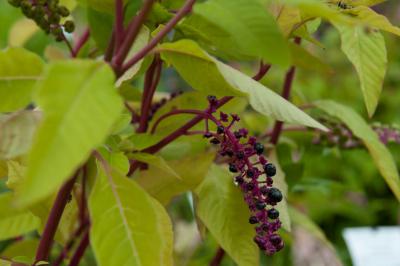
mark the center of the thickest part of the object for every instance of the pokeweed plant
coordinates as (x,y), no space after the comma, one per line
(92,154)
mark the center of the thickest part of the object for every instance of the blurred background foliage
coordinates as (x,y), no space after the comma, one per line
(336,188)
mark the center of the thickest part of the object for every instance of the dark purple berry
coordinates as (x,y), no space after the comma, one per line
(215,141)
(220,129)
(233,168)
(259,148)
(275,195)
(207,135)
(273,213)
(240,155)
(237,134)
(253,220)
(275,239)
(249,186)
(260,205)
(239,180)
(229,153)
(264,190)
(270,169)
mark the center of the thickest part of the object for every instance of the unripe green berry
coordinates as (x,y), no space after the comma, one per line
(56,31)
(15,3)
(69,26)
(63,11)
(54,18)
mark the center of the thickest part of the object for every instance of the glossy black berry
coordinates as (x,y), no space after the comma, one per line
(233,168)
(273,213)
(260,205)
(220,129)
(215,141)
(270,169)
(275,195)
(250,173)
(259,148)
(253,220)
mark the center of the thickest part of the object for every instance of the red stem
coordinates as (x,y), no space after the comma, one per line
(132,32)
(80,251)
(80,43)
(119,23)
(151,83)
(164,31)
(218,257)
(287,87)
(110,48)
(46,241)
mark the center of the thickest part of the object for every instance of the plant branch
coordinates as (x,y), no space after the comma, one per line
(218,257)
(119,23)
(80,43)
(182,130)
(164,31)
(151,83)
(287,87)
(131,34)
(56,212)
(110,48)
(80,251)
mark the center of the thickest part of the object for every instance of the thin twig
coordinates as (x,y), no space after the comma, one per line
(131,34)
(119,23)
(80,251)
(56,212)
(218,257)
(80,43)
(160,35)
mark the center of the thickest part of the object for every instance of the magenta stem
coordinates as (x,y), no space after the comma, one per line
(119,23)
(80,251)
(80,43)
(218,257)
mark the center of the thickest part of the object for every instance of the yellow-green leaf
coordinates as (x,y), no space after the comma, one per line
(381,156)
(15,222)
(16,133)
(366,50)
(129,227)
(164,186)
(193,64)
(80,104)
(155,161)
(21,32)
(222,209)
(19,71)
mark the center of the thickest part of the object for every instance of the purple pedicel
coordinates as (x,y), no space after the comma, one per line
(250,168)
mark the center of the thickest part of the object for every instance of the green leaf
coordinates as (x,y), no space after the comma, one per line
(155,161)
(127,223)
(15,222)
(381,156)
(101,26)
(16,133)
(26,246)
(373,19)
(5,262)
(280,183)
(304,59)
(164,186)
(19,71)
(252,27)
(78,115)
(16,171)
(366,50)
(193,64)
(222,209)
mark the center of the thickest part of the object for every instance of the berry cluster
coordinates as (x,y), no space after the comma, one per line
(341,136)
(47,14)
(253,175)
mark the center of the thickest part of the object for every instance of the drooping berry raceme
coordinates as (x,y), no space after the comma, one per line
(47,14)
(253,174)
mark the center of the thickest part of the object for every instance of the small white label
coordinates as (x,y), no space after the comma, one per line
(374,246)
